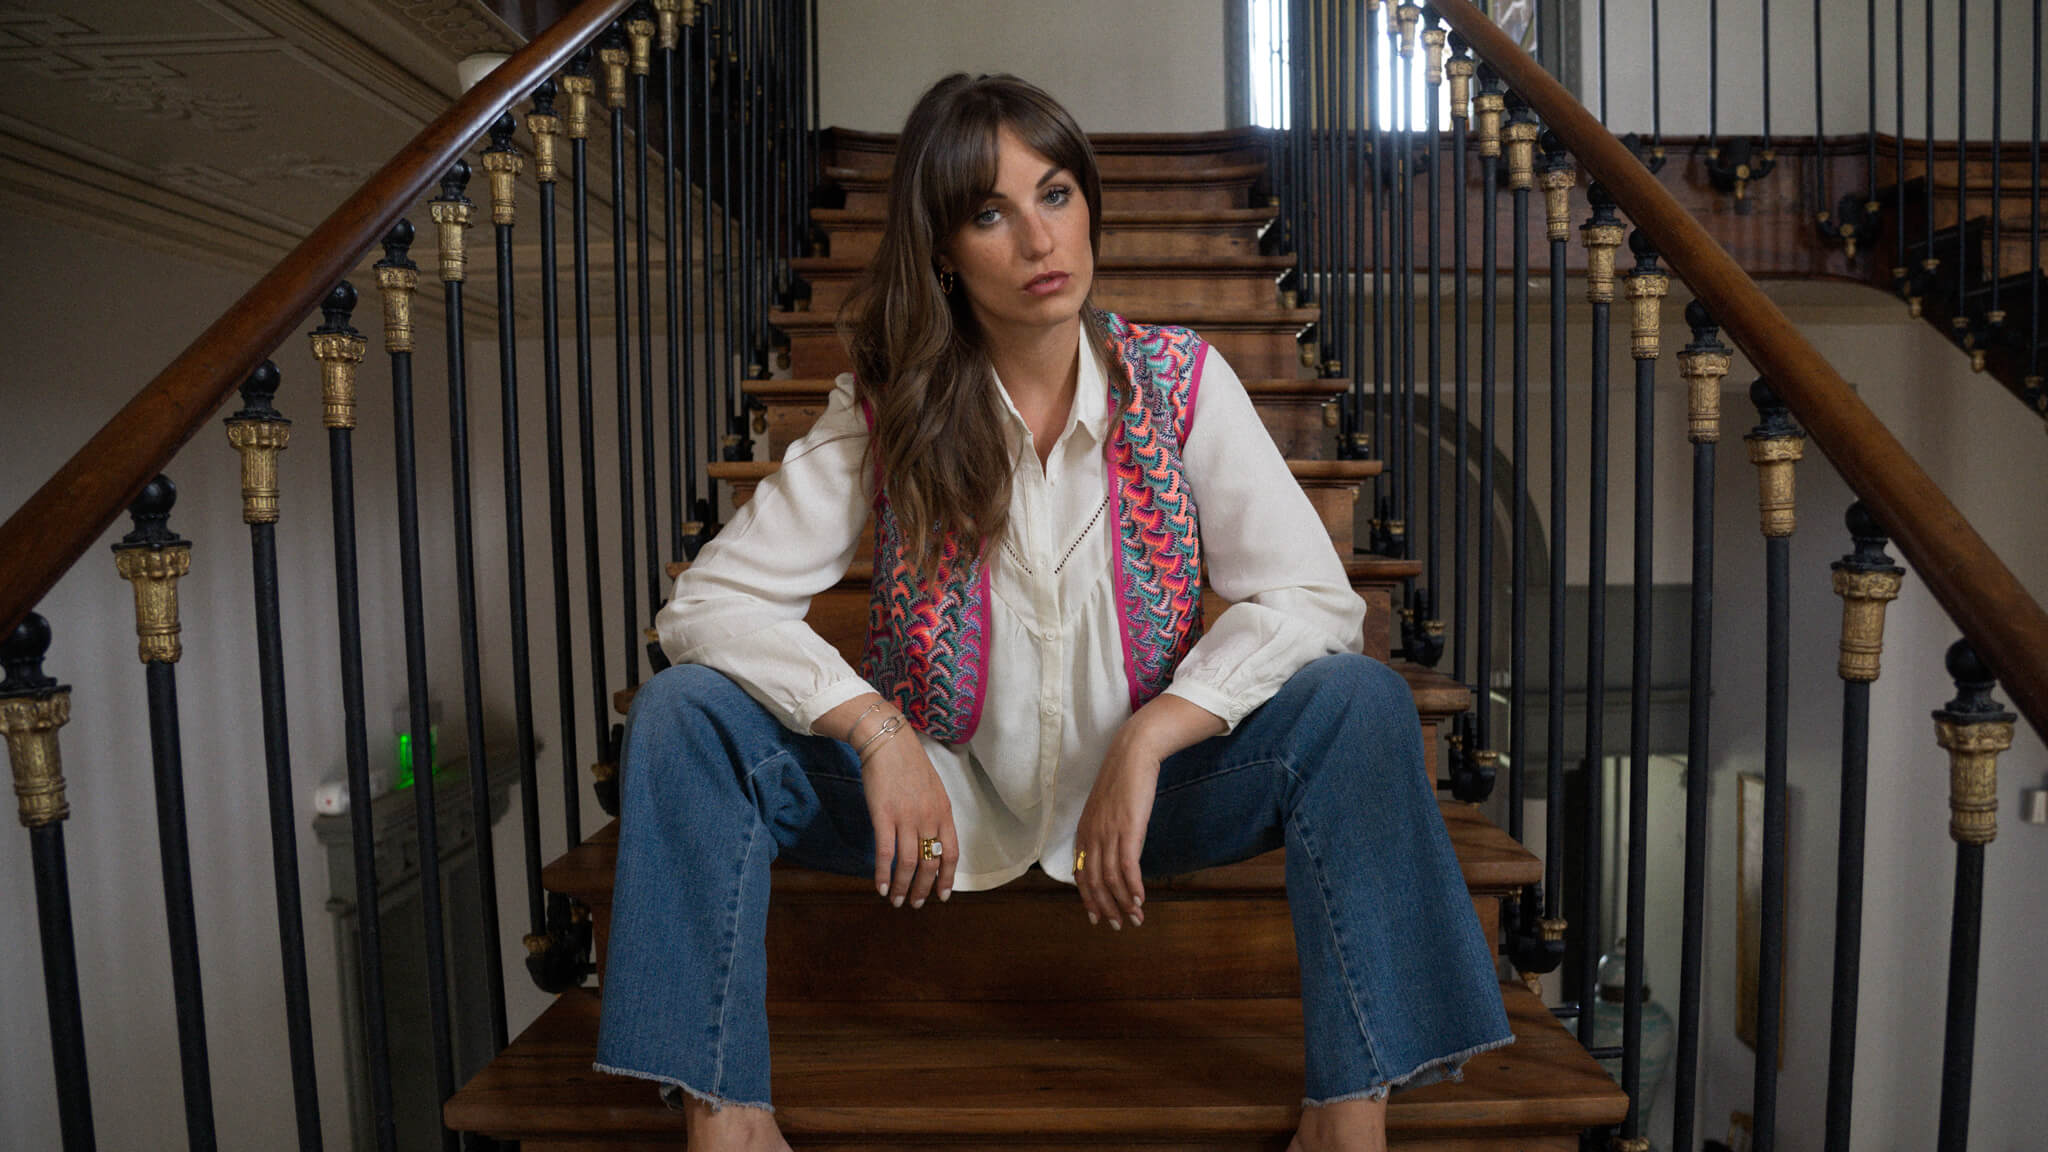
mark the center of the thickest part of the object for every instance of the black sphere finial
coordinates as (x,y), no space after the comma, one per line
(1974,682)
(502,130)
(257,393)
(1862,524)
(1458,44)
(1549,143)
(1869,554)
(1765,399)
(544,97)
(457,179)
(1696,314)
(1639,242)
(1600,198)
(21,653)
(339,305)
(1489,80)
(579,64)
(151,514)
(397,242)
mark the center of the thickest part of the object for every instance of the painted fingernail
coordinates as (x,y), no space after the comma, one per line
(1117,924)
(896,900)
(1138,900)
(881,889)
(945,894)
(917,903)
(1094,919)
(1137,918)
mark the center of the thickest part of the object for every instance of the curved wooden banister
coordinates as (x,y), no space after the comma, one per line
(49,532)
(2005,624)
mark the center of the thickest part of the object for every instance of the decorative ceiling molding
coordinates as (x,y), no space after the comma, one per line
(458,27)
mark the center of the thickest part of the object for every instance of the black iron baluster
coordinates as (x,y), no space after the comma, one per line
(1318,259)
(581,88)
(1734,166)
(504,163)
(730,338)
(1382,219)
(1603,60)
(1656,161)
(684,281)
(1520,132)
(1994,317)
(1559,175)
(1404,297)
(1647,285)
(1775,446)
(613,56)
(398,280)
(2034,333)
(1853,216)
(1460,70)
(1338,308)
(544,125)
(1358,443)
(681,457)
(259,432)
(640,36)
(1931,262)
(714,391)
(1427,648)
(32,708)
(1703,363)
(1866,580)
(1490,105)
(1901,274)
(454,213)
(1973,728)
(153,557)
(1960,321)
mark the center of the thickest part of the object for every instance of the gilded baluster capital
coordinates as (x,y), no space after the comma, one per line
(667,18)
(259,432)
(339,348)
(1703,363)
(1647,286)
(580,88)
(32,708)
(613,56)
(1488,108)
(1602,233)
(640,26)
(452,212)
(503,161)
(397,279)
(1520,133)
(1433,44)
(153,558)
(1973,728)
(1628,1144)
(1775,445)
(1560,174)
(1551,928)
(543,125)
(1409,16)
(1866,580)
(1461,80)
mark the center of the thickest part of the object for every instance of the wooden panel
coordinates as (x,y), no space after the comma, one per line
(1154,285)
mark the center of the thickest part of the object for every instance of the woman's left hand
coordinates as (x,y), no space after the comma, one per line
(1119,808)
(1112,831)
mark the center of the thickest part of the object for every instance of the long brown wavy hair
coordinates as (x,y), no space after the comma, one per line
(920,360)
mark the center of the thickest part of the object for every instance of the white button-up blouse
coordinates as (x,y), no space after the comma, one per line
(1056,690)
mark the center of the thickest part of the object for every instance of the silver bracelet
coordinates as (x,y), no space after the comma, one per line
(890,727)
(855,726)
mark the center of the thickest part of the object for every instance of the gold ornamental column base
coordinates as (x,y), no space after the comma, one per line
(31,724)
(155,573)
(1864,596)
(1973,750)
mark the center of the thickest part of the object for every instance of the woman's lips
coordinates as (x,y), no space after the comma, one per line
(1047,285)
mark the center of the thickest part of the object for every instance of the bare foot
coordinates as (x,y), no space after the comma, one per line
(731,1128)
(1346,1126)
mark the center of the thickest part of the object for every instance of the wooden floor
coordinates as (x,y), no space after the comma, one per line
(1207,1074)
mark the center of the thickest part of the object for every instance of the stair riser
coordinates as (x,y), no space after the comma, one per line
(996,946)
(1114,162)
(1506,1142)
(1268,351)
(1118,291)
(1119,242)
(867,196)
(1298,425)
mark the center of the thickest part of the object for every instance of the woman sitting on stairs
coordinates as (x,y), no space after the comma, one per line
(1036,686)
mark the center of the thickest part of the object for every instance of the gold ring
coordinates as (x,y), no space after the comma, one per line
(1080,858)
(929,849)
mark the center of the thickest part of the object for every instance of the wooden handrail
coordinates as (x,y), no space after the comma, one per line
(2002,622)
(49,532)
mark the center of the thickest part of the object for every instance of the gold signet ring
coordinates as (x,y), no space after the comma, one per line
(929,849)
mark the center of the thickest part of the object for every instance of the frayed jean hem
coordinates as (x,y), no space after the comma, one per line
(1451,1067)
(671,1088)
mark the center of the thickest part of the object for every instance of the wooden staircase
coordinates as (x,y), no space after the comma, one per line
(1002,1019)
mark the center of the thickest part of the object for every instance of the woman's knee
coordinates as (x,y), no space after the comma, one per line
(1359,713)
(674,726)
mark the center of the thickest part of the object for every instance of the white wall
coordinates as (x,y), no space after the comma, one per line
(1133,66)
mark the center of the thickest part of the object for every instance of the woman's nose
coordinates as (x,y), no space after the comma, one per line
(1036,236)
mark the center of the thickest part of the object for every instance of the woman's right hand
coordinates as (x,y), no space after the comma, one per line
(907,802)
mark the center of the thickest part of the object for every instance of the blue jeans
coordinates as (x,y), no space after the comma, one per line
(1397,982)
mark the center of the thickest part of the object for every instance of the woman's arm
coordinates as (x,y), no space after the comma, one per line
(740,607)
(1265,549)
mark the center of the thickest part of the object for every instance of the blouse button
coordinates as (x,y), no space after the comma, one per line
(1050,636)
(1049,708)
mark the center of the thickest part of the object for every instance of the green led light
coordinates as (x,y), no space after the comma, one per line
(405,758)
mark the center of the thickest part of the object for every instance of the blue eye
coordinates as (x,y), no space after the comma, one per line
(985,218)
(1058,194)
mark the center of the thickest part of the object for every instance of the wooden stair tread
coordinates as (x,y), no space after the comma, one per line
(1489,858)
(886,1073)
(1435,693)
(1365,566)
(878,175)
(1111,218)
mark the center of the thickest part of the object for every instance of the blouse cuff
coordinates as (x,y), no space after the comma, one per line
(832,696)
(1227,708)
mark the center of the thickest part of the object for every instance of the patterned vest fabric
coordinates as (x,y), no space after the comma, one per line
(928,645)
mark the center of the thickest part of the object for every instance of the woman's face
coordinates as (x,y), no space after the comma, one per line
(1023,259)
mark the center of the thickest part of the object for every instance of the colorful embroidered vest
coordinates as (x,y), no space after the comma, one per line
(928,646)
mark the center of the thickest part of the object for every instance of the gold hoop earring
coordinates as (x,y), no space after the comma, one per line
(946,281)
